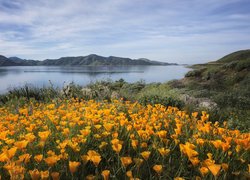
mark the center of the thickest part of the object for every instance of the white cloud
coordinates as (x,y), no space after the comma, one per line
(161,30)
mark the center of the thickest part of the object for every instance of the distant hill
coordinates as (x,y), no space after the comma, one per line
(15,59)
(96,60)
(90,60)
(4,61)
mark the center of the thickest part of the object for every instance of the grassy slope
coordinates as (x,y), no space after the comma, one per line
(225,81)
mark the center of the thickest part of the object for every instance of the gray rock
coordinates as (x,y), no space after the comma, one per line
(88,93)
(198,102)
(115,95)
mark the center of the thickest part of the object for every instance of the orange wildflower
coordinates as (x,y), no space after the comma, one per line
(8,154)
(117,147)
(108,126)
(164,151)
(34,174)
(224,166)
(90,177)
(55,175)
(105,174)
(21,144)
(145,154)
(73,166)
(85,159)
(38,158)
(204,171)
(129,174)
(126,161)
(24,158)
(179,178)
(157,168)
(215,169)
(194,160)
(51,161)
(94,157)
(96,160)
(44,175)
(134,144)
(44,135)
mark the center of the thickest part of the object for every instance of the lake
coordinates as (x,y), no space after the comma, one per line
(16,76)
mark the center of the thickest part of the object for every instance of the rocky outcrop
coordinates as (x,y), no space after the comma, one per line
(198,102)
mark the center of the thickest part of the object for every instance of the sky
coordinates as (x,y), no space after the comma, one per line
(182,31)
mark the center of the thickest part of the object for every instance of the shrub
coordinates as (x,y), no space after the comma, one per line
(243,65)
(31,92)
(195,73)
(155,99)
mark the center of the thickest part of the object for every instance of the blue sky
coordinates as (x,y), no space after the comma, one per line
(183,31)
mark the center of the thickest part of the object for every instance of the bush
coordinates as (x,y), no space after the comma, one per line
(155,99)
(195,73)
(130,90)
(243,65)
(31,92)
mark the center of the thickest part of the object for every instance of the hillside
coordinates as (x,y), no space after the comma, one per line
(90,60)
(225,81)
(231,71)
(243,55)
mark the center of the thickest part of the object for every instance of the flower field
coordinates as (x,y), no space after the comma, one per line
(77,139)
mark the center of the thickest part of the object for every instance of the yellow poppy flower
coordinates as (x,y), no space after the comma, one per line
(129,174)
(215,169)
(34,174)
(134,144)
(73,166)
(224,166)
(105,174)
(85,159)
(203,171)
(51,161)
(117,147)
(90,177)
(126,161)
(44,175)
(44,135)
(24,158)
(179,178)
(157,168)
(96,160)
(55,175)
(38,158)
(145,154)
(164,151)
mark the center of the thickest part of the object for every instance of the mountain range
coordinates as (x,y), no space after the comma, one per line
(90,60)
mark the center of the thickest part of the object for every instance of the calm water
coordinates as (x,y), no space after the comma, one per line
(41,75)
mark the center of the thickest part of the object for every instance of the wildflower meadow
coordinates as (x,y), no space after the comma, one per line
(78,139)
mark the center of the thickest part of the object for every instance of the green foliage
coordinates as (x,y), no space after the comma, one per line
(130,90)
(238,55)
(226,82)
(243,65)
(30,92)
(234,99)
(194,73)
(155,99)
